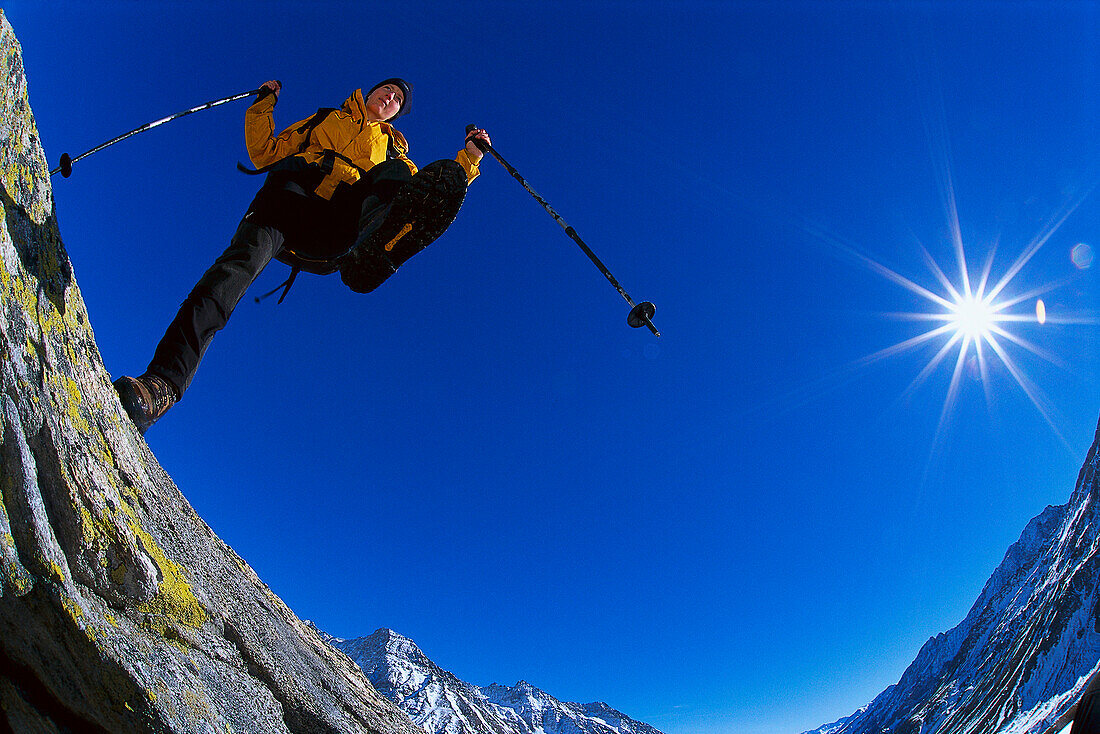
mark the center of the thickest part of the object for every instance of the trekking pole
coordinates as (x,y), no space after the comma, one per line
(641,314)
(66,166)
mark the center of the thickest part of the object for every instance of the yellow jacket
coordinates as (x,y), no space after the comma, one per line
(359,143)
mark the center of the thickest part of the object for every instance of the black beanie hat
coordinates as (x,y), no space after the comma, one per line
(406,92)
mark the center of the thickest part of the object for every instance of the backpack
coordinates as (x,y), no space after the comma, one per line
(295,168)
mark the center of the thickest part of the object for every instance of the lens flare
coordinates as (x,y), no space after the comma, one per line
(973,320)
(1081,255)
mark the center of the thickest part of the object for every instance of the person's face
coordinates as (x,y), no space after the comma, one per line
(385,102)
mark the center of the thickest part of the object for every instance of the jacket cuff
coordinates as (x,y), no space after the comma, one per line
(471,168)
(264,103)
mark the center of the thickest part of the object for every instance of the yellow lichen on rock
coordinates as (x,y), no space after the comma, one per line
(57,574)
(16,290)
(5,275)
(72,405)
(151,622)
(87,527)
(24,174)
(73,609)
(174,598)
(197,707)
(15,577)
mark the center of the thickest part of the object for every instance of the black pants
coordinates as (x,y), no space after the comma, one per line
(207,309)
(211,302)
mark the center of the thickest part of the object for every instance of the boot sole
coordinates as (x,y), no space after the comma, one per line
(422,211)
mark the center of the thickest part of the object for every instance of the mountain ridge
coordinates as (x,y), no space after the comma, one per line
(441,703)
(1028,646)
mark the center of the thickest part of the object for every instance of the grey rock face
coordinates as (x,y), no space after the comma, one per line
(441,703)
(120,610)
(1028,646)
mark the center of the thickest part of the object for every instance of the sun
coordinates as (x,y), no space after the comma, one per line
(975,321)
(976,325)
(973,316)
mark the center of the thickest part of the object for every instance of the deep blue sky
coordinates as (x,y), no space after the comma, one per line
(725,530)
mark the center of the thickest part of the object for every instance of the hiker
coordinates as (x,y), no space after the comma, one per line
(340,195)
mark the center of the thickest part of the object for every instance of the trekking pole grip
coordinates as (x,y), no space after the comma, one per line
(479,144)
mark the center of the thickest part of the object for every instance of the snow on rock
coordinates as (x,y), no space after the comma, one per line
(836,726)
(440,703)
(1026,650)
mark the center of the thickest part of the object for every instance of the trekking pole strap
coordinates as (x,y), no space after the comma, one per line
(285,286)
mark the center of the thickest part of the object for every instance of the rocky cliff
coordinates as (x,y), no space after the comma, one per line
(120,610)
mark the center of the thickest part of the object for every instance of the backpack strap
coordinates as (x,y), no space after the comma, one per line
(308,126)
(285,164)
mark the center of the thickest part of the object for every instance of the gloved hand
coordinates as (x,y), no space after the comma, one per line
(270,87)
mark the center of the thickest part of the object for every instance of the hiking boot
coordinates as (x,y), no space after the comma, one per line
(145,399)
(391,233)
(373,213)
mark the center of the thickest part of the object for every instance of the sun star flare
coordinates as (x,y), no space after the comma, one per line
(973,316)
(974,328)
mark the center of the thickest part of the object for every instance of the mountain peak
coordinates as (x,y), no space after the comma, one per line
(385,633)
(395,644)
(441,703)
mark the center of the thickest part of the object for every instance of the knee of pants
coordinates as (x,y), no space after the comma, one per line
(386,178)
(394,170)
(256,243)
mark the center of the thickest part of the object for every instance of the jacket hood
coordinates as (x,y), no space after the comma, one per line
(356,106)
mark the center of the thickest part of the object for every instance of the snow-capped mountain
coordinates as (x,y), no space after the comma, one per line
(440,703)
(836,726)
(1022,657)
